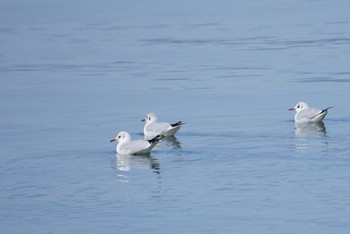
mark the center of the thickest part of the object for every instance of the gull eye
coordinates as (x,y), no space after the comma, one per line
(119,136)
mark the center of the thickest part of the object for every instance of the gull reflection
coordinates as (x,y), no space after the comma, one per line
(130,162)
(310,129)
(172,141)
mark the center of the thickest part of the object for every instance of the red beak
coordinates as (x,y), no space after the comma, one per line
(290,109)
(113,140)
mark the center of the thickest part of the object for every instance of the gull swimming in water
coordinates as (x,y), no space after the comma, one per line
(306,114)
(126,146)
(153,128)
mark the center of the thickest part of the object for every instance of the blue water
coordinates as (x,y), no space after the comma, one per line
(74,74)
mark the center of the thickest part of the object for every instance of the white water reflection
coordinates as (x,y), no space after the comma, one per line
(310,129)
(227,68)
(132,162)
(172,142)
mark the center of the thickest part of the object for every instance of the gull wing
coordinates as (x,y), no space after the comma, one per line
(135,147)
(155,129)
(309,113)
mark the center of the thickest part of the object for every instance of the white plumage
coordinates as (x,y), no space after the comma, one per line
(306,114)
(126,146)
(153,128)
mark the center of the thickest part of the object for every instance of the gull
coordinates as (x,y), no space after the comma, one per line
(306,114)
(126,146)
(153,128)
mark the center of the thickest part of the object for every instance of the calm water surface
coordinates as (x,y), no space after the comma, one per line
(75,74)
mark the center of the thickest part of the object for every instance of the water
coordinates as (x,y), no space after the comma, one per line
(74,74)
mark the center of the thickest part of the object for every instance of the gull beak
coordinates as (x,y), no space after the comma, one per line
(143,120)
(113,140)
(290,109)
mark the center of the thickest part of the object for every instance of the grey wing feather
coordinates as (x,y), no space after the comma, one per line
(309,113)
(137,146)
(158,128)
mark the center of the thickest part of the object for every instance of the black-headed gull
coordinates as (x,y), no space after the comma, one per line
(153,128)
(126,146)
(306,114)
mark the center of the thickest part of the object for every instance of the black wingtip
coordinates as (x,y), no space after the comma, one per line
(324,110)
(156,139)
(179,123)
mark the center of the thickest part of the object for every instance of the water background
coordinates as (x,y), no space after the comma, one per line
(74,74)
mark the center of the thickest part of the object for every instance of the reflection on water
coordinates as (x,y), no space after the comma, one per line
(308,134)
(310,129)
(216,65)
(172,141)
(128,162)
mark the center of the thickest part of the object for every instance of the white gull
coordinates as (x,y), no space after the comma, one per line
(306,114)
(153,128)
(126,146)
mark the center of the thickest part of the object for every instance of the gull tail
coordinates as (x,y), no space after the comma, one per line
(324,110)
(156,139)
(177,124)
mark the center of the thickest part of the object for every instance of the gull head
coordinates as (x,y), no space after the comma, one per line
(300,106)
(150,118)
(122,136)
